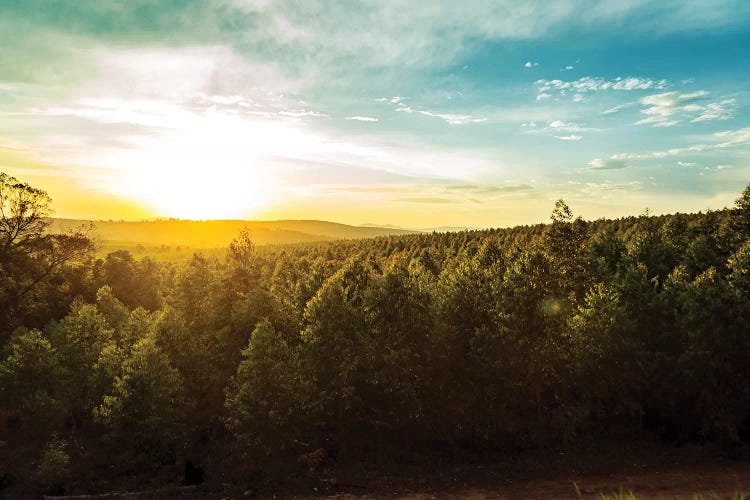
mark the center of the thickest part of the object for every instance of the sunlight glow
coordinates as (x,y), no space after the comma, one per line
(209,169)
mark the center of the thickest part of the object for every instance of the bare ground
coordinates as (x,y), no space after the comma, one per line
(648,470)
(669,482)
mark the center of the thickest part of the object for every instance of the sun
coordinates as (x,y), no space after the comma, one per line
(201,173)
(200,198)
(219,193)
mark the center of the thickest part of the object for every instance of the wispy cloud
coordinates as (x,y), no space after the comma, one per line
(490,189)
(428,199)
(393,100)
(302,114)
(453,119)
(450,118)
(597,84)
(723,140)
(722,110)
(557,129)
(362,118)
(559,125)
(715,169)
(604,164)
(618,108)
(670,108)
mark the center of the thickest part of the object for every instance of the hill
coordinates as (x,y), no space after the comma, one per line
(218,233)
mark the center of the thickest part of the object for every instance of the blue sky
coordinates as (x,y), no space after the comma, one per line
(419,114)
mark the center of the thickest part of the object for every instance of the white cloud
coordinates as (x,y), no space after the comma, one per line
(568,67)
(670,108)
(713,169)
(618,108)
(578,98)
(543,96)
(432,33)
(142,122)
(685,164)
(559,125)
(453,119)
(528,64)
(302,114)
(596,84)
(393,100)
(604,164)
(716,111)
(565,131)
(362,118)
(725,139)
(213,74)
(601,189)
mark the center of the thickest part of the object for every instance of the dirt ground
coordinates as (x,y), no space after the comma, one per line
(648,470)
(669,482)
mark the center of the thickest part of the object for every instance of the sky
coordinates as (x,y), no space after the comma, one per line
(418,114)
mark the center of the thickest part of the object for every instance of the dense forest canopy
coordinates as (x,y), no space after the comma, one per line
(503,338)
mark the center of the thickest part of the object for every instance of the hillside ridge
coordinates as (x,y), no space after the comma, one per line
(218,233)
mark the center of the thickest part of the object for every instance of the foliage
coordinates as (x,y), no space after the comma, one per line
(529,336)
(30,377)
(38,270)
(54,464)
(266,398)
(146,400)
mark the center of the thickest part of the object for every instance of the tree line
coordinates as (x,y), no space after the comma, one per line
(501,339)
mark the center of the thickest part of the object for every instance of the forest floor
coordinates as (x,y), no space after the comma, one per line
(598,470)
(707,481)
(647,470)
(694,481)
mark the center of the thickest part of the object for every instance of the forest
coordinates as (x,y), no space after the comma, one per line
(269,357)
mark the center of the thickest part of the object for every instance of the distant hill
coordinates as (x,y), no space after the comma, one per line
(385,226)
(450,229)
(441,229)
(219,233)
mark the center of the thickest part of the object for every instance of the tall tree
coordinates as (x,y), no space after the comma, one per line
(30,257)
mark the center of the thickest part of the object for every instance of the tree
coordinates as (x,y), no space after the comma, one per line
(739,220)
(605,356)
(23,212)
(396,347)
(335,348)
(265,399)
(30,380)
(564,244)
(30,257)
(147,402)
(80,338)
(133,282)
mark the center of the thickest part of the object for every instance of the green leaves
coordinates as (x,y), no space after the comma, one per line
(147,400)
(30,380)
